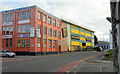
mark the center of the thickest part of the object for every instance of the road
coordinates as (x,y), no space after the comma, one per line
(46,63)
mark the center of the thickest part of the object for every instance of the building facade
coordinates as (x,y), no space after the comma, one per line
(76,38)
(115,21)
(31,30)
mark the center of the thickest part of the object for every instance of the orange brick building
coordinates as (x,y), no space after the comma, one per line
(31,30)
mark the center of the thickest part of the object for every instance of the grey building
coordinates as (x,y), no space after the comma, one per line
(115,21)
(104,44)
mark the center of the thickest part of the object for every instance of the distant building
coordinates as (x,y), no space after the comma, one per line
(104,44)
(75,37)
(110,38)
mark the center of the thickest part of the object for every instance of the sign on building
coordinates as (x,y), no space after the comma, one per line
(75,37)
(32,32)
(68,34)
(64,31)
(23,21)
(7,23)
(7,36)
(23,35)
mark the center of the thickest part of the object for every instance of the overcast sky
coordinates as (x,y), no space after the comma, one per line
(90,14)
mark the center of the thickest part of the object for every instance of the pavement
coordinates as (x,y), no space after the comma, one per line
(85,61)
(95,64)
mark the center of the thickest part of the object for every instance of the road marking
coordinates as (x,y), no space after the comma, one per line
(69,66)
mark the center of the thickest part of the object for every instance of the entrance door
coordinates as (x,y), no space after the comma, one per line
(59,47)
(44,45)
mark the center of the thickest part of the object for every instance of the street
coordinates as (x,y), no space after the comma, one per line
(64,62)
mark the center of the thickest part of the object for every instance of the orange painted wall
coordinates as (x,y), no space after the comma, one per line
(33,40)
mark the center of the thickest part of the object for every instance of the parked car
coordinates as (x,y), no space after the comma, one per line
(99,49)
(6,53)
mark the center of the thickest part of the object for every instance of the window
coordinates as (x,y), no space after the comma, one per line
(18,43)
(11,30)
(44,30)
(54,33)
(49,45)
(50,32)
(54,22)
(23,42)
(6,42)
(58,34)
(38,39)
(44,17)
(19,28)
(49,41)
(28,14)
(28,28)
(23,28)
(3,18)
(38,27)
(38,45)
(3,30)
(58,24)
(27,42)
(44,40)
(38,15)
(19,15)
(49,20)
(11,42)
(7,17)
(24,15)
(7,30)
(11,17)
(54,41)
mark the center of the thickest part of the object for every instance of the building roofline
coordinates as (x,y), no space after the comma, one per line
(17,9)
(76,25)
(28,7)
(47,13)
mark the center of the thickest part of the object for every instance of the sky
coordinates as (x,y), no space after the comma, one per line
(90,14)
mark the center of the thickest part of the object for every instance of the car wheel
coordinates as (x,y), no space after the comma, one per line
(7,56)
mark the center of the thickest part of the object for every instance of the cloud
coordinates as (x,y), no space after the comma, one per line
(87,13)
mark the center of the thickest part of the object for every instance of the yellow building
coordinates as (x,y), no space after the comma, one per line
(77,37)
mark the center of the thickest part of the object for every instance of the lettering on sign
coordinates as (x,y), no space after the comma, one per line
(7,36)
(23,35)
(7,23)
(75,37)
(23,21)
(87,39)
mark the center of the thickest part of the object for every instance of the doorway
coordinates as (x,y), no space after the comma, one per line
(59,47)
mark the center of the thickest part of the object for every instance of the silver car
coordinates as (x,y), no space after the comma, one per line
(6,53)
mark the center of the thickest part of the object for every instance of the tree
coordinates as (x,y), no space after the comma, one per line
(95,40)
